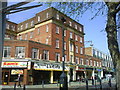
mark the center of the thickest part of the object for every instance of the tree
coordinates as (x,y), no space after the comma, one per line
(111,9)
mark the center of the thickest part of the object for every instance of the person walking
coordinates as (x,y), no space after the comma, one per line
(19,84)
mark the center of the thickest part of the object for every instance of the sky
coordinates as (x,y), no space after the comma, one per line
(94,29)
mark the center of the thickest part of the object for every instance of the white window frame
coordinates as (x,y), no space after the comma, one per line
(81,40)
(65,32)
(31,34)
(38,30)
(20,52)
(76,38)
(57,30)
(64,45)
(75,26)
(26,25)
(81,50)
(39,18)
(46,41)
(6,51)
(47,28)
(47,15)
(32,23)
(80,29)
(70,23)
(35,53)
(71,35)
(26,36)
(76,49)
(45,54)
(57,16)
(57,43)
(57,57)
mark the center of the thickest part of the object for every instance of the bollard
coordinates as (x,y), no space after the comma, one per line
(86,84)
(15,86)
(109,82)
(100,84)
(24,87)
(42,84)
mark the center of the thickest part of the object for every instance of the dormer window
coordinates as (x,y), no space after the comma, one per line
(57,16)
(38,18)
(70,23)
(47,15)
(32,23)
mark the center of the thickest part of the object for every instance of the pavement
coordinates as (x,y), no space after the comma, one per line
(71,86)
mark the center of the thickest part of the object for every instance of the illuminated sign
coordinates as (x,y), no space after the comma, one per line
(14,64)
(48,66)
(13,72)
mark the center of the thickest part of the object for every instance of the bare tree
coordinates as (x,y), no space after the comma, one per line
(111,9)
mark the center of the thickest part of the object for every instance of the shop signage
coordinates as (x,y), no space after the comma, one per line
(48,66)
(14,64)
(80,68)
(13,72)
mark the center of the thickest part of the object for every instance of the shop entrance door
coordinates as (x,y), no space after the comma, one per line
(5,77)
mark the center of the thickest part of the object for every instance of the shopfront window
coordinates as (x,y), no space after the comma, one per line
(20,52)
(6,51)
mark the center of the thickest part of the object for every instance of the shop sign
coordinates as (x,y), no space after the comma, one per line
(14,64)
(13,72)
(48,66)
(80,68)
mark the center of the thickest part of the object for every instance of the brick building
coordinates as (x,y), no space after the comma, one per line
(33,48)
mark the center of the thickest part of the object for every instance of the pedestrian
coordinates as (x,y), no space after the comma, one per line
(19,80)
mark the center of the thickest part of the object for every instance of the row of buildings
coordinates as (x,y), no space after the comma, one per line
(33,49)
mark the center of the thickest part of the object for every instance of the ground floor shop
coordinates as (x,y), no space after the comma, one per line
(11,70)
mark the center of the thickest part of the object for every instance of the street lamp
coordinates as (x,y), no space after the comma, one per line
(63,76)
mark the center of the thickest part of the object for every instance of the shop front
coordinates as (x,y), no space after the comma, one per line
(11,70)
(47,72)
(89,72)
(80,73)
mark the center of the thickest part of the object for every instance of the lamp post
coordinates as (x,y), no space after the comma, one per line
(63,76)
(4,10)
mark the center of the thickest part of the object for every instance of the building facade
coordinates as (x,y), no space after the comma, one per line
(33,49)
(106,60)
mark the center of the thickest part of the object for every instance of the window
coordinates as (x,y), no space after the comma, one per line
(77,60)
(64,45)
(26,36)
(71,35)
(47,28)
(26,25)
(57,16)
(76,49)
(76,37)
(90,62)
(80,29)
(46,55)
(46,40)
(70,23)
(75,26)
(81,40)
(35,53)
(81,61)
(21,27)
(20,37)
(38,18)
(38,30)
(20,52)
(8,26)
(57,57)
(65,57)
(57,43)
(47,15)
(31,34)
(87,62)
(81,50)
(97,63)
(13,28)
(32,23)
(57,29)
(64,32)
(6,51)
(71,58)
(94,63)
(71,46)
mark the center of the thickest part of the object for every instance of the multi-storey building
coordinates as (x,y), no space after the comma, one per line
(106,60)
(33,49)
